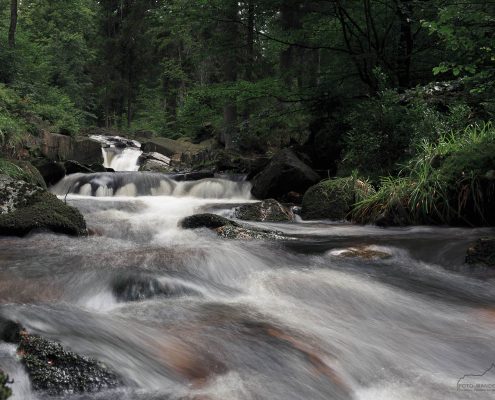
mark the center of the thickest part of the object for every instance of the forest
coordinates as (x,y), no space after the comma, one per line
(376,89)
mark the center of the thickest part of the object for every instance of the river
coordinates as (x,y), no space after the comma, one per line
(290,319)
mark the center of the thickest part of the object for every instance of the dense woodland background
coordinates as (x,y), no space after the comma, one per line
(363,87)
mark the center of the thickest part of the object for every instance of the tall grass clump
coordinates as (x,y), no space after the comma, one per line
(450,181)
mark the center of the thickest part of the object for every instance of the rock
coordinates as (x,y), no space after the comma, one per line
(210,221)
(98,167)
(154,162)
(58,147)
(334,199)
(74,167)
(5,392)
(363,252)
(267,211)
(482,252)
(22,170)
(285,173)
(25,207)
(58,371)
(193,176)
(139,287)
(51,171)
(10,331)
(228,229)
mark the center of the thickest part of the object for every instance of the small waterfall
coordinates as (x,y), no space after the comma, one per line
(129,184)
(119,154)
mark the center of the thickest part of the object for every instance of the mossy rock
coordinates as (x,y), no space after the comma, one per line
(25,207)
(482,252)
(334,199)
(266,211)
(22,170)
(5,391)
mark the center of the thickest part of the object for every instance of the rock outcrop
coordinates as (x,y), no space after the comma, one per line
(25,207)
(284,174)
(334,199)
(266,211)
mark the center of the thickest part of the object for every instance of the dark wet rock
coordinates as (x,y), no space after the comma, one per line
(98,167)
(482,252)
(210,221)
(51,171)
(10,331)
(58,371)
(5,391)
(285,173)
(266,211)
(139,287)
(25,207)
(334,199)
(86,151)
(228,229)
(74,167)
(193,176)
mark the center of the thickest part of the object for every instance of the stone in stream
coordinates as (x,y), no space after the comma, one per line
(228,229)
(266,211)
(25,207)
(139,287)
(363,252)
(482,252)
(51,171)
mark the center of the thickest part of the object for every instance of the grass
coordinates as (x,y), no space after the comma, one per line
(446,183)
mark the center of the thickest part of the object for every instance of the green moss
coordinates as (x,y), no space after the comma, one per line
(5,392)
(334,199)
(43,211)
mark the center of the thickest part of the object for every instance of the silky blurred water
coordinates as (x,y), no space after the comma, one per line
(291,319)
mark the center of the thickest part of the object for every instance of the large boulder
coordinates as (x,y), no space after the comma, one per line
(154,162)
(228,229)
(482,252)
(22,170)
(285,173)
(25,207)
(74,167)
(51,171)
(334,198)
(266,211)
(58,147)
(55,370)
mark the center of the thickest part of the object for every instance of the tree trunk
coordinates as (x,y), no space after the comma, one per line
(13,23)
(405,48)
(230,71)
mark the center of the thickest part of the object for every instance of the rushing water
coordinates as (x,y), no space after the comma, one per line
(251,320)
(119,158)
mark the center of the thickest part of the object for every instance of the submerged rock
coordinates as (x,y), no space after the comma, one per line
(363,252)
(267,211)
(228,229)
(139,287)
(10,331)
(482,252)
(285,173)
(25,207)
(334,199)
(56,370)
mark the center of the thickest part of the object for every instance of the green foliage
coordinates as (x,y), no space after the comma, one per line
(5,392)
(448,181)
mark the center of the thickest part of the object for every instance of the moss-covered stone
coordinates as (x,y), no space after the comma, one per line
(5,391)
(266,211)
(22,170)
(25,207)
(334,199)
(57,371)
